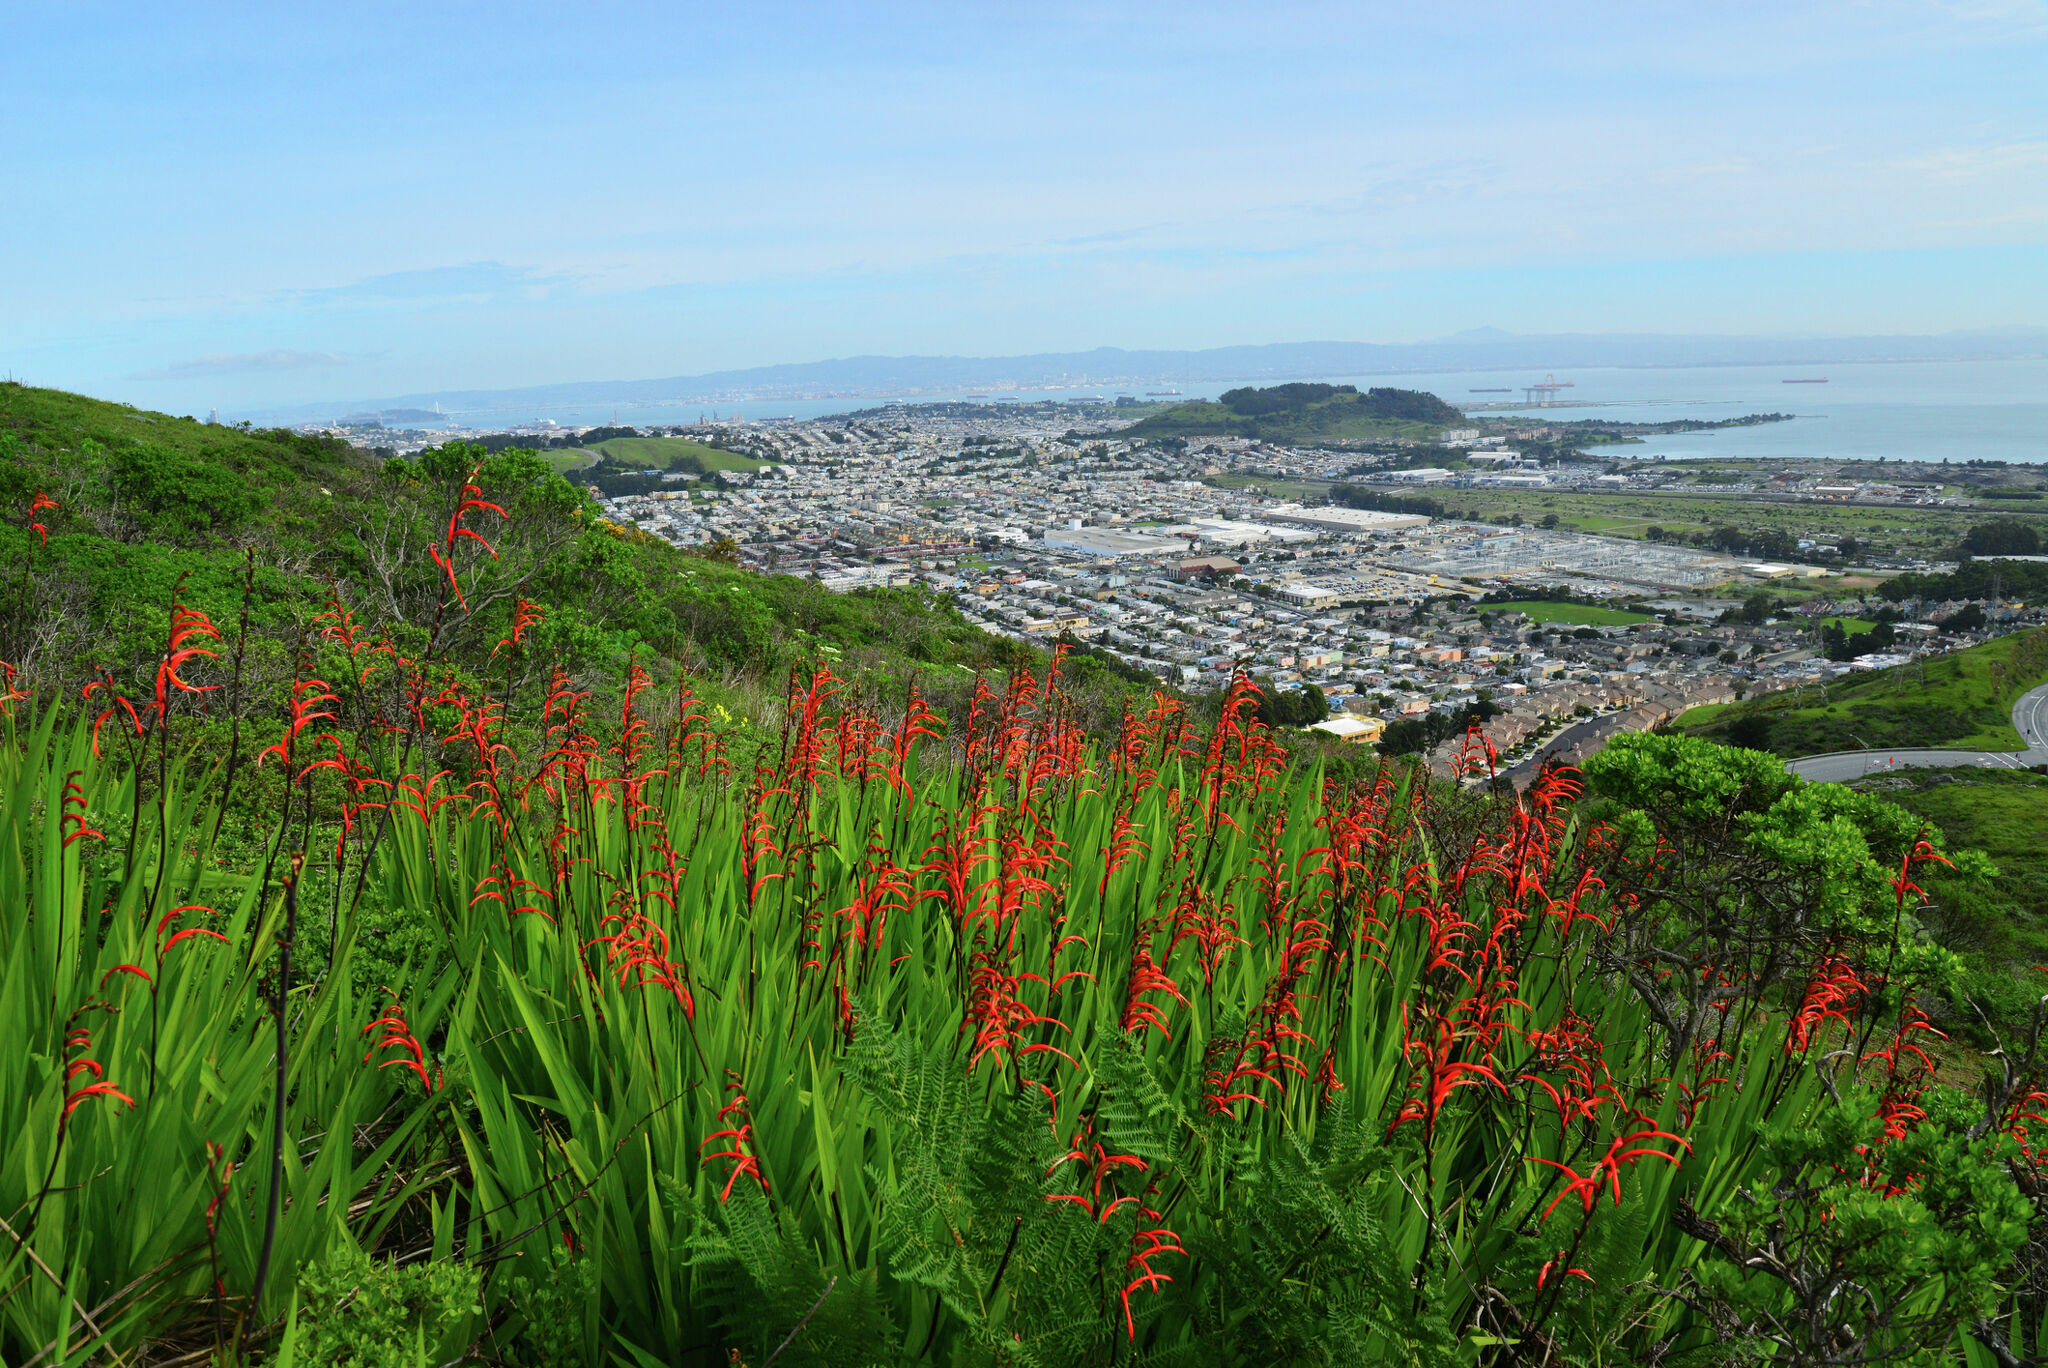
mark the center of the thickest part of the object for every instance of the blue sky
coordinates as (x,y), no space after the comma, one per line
(238,206)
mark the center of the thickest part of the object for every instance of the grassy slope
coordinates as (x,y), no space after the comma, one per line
(656,452)
(1916,530)
(1962,700)
(651,453)
(1341,420)
(146,497)
(193,497)
(2003,928)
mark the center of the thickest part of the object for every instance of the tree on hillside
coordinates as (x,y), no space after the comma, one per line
(1301,707)
(1278,398)
(2002,537)
(1967,618)
(1838,644)
(1749,874)
(1413,735)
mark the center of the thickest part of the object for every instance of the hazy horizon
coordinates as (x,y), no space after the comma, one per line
(215,207)
(861,379)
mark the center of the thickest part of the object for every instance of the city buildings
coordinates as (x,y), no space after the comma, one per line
(1043,522)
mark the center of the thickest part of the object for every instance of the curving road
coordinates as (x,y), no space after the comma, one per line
(2029,718)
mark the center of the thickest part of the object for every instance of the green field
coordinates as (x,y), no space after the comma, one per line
(651,453)
(1697,508)
(1962,700)
(1852,625)
(1577,614)
(1273,486)
(1696,718)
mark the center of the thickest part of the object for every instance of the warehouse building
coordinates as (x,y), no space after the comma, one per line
(1332,518)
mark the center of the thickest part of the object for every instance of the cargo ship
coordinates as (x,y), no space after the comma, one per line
(1494,389)
(1162,394)
(1815,380)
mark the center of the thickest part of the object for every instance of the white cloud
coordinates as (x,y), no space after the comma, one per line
(244,363)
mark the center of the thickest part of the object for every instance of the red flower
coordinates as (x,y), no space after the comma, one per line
(527,616)
(106,686)
(1098,1167)
(186,624)
(307,695)
(40,503)
(741,1151)
(1146,977)
(1147,1245)
(164,947)
(1543,1273)
(1607,1172)
(76,1044)
(398,1036)
(639,944)
(72,815)
(472,501)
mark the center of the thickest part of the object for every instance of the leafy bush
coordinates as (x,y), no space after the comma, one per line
(357,1313)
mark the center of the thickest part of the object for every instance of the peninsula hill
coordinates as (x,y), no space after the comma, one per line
(1305,413)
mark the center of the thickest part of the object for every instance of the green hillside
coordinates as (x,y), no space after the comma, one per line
(1328,414)
(662,453)
(1998,926)
(273,524)
(1961,700)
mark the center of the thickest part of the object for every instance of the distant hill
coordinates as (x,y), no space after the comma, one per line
(670,453)
(1305,413)
(855,377)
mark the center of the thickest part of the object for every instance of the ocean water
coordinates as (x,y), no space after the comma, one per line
(1914,411)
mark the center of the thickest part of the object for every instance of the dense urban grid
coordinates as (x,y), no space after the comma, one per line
(1194,557)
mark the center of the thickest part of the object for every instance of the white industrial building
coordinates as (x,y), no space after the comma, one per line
(1306,595)
(1332,518)
(1112,543)
(1233,533)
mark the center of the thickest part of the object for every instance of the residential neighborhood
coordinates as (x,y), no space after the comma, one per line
(1194,559)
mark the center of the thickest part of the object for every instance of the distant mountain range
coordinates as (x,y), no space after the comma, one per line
(869,377)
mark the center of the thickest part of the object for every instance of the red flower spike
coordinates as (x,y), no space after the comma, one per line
(1606,1173)
(71,818)
(78,1041)
(741,1136)
(42,503)
(472,501)
(527,616)
(136,970)
(1543,1273)
(1147,1245)
(398,1036)
(307,696)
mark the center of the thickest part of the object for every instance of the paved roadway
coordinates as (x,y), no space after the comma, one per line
(2029,718)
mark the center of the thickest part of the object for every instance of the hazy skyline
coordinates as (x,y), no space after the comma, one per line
(242,208)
